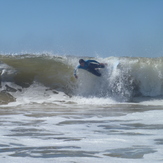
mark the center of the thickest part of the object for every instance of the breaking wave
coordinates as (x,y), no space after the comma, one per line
(37,78)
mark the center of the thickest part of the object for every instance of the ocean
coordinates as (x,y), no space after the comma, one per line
(47,115)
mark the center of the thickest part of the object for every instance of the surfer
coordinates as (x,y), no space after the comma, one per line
(89,65)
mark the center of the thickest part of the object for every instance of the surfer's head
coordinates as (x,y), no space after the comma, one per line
(81,61)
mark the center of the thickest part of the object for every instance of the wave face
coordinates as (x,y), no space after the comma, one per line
(41,76)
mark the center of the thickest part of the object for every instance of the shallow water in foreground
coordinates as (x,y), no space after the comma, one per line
(81,133)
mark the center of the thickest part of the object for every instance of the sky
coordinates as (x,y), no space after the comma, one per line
(82,27)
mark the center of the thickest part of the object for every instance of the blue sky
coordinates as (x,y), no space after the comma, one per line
(82,27)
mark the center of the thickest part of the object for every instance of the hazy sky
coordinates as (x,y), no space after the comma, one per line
(82,27)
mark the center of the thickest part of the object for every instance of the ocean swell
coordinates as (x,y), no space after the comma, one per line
(123,78)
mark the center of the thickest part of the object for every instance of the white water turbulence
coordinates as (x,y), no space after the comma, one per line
(49,116)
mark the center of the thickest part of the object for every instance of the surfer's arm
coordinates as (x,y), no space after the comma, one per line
(100,64)
(93,61)
(75,72)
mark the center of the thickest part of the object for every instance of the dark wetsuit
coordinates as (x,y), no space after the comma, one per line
(91,66)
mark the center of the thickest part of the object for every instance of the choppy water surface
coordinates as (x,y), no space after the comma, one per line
(85,133)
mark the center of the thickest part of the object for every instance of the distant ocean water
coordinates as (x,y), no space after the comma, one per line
(49,116)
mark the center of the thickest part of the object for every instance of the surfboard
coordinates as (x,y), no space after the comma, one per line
(95,72)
